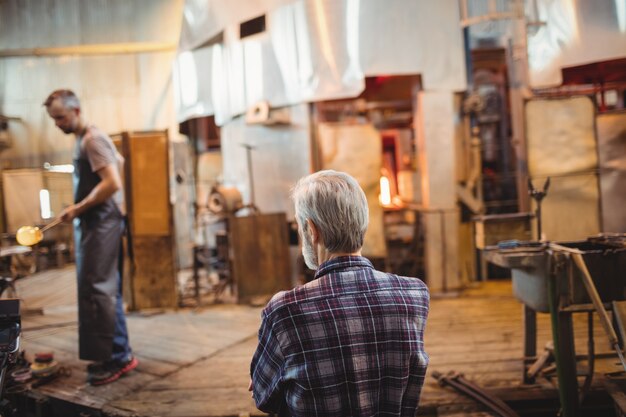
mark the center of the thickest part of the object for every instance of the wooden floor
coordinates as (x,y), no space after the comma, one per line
(196,362)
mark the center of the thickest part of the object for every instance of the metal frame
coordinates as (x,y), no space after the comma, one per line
(517,12)
(561,318)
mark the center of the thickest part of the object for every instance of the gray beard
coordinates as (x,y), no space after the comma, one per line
(309,254)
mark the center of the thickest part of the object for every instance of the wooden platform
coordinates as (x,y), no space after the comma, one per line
(196,362)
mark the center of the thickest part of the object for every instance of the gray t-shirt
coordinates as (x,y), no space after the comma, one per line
(97,147)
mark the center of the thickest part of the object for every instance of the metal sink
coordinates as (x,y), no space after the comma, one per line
(531,269)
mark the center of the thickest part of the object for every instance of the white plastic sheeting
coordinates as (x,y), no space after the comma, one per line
(563,33)
(273,177)
(48,23)
(576,32)
(193,94)
(410,37)
(204,19)
(314,50)
(117,92)
(489,31)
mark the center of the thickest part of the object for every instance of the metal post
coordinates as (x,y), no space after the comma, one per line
(538,196)
(196,274)
(563,336)
(538,215)
(250,176)
(518,92)
(530,340)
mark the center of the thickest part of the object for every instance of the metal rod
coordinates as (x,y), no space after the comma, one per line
(51,224)
(595,298)
(530,339)
(538,196)
(458,382)
(539,220)
(605,320)
(250,176)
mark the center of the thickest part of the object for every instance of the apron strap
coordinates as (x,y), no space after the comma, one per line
(129,242)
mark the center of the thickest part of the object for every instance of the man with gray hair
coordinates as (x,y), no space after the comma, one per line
(98,217)
(350,342)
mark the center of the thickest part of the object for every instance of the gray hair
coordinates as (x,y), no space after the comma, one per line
(337,206)
(67,97)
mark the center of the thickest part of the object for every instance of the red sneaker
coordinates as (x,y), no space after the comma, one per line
(110,371)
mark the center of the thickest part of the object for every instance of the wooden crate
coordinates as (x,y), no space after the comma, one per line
(491,229)
(498,227)
(259,255)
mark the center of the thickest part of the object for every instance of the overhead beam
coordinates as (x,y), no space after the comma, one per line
(10,118)
(93,49)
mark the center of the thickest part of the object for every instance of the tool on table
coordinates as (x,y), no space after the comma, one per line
(31,235)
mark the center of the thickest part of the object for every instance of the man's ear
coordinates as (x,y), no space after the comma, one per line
(313,231)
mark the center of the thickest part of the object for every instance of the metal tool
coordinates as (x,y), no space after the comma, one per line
(538,196)
(542,360)
(459,383)
(31,235)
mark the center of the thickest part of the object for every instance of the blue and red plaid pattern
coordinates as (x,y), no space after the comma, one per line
(349,343)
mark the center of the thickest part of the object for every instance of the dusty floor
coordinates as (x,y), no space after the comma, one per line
(196,362)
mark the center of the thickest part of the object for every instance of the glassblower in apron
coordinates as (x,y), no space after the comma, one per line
(97,214)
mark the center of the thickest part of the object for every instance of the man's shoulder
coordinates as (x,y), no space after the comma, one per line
(282,300)
(96,139)
(410,281)
(329,286)
(97,142)
(399,281)
(95,134)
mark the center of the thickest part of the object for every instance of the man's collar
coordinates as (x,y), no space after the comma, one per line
(342,262)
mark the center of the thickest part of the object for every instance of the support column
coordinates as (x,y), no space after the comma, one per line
(435,132)
(518,92)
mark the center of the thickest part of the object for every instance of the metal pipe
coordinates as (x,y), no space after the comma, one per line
(250,176)
(530,340)
(605,320)
(458,382)
(51,224)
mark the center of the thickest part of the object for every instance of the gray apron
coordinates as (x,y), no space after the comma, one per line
(98,235)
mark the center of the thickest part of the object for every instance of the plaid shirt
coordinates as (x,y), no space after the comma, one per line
(349,343)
